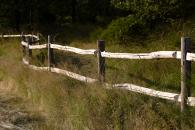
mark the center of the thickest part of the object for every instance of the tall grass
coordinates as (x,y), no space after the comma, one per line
(69,104)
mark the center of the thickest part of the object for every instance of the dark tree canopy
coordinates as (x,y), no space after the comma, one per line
(13,13)
(123,17)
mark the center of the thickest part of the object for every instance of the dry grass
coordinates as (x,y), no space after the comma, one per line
(69,104)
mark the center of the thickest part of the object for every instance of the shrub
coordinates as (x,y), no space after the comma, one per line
(152,9)
(122,29)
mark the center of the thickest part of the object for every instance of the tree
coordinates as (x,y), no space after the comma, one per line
(144,15)
(152,10)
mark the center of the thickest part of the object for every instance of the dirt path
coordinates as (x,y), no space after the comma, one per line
(15,115)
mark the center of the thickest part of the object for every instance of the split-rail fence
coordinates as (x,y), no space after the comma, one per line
(186,57)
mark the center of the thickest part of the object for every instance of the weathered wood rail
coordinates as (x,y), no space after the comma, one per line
(19,36)
(184,55)
(132,56)
(60,71)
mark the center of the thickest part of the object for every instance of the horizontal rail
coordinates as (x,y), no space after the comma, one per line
(24,43)
(191,56)
(73,49)
(152,55)
(34,47)
(37,47)
(33,66)
(73,75)
(64,72)
(154,93)
(130,87)
(16,36)
(60,47)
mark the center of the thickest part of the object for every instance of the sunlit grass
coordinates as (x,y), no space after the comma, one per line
(70,104)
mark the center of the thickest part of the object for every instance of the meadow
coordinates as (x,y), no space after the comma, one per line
(69,104)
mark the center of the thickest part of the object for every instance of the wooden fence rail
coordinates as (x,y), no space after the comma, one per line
(185,55)
(19,36)
(132,56)
(60,71)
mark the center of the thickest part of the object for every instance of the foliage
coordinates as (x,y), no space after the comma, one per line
(34,12)
(134,16)
(121,29)
(144,16)
(152,9)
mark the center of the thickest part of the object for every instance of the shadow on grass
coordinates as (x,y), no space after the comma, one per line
(153,83)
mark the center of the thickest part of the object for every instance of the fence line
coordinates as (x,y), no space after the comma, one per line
(34,47)
(126,86)
(102,54)
(132,56)
(19,36)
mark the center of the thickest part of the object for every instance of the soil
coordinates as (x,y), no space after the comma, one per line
(16,115)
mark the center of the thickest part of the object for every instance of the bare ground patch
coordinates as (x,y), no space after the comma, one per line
(17,114)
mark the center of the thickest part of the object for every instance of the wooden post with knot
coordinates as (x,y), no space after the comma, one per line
(185,72)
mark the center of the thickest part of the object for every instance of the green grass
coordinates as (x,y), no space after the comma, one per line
(70,104)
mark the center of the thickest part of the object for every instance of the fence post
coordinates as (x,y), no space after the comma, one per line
(50,53)
(28,50)
(30,39)
(185,72)
(23,47)
(101,61)
(38,36)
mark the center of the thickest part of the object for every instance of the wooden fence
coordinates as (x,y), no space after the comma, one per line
(185,55)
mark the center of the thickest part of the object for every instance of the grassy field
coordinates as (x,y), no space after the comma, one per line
(69,104)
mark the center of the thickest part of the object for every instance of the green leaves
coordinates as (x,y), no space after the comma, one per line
(150,9)
(143,15)
(121,29)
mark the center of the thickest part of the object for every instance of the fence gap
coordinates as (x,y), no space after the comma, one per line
(101,60)
(185,72)
(49,52)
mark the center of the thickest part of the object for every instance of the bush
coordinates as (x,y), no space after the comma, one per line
(122,29)
(152,9)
